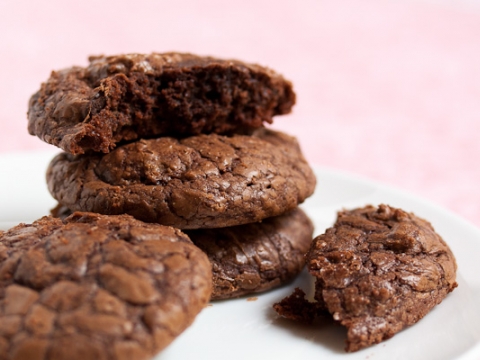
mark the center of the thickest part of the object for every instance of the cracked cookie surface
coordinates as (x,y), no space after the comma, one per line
(126,97)
(97,287)
(378,270)
(255,257)
(203,181)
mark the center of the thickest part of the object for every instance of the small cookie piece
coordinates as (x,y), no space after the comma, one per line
(203,181)
(255,257)
(297,307)
(378,270)
(126,97)
(97,287)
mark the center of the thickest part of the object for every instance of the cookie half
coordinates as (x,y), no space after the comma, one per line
(255,257)
(379,270)
(203,181)
(126,97)
(97,287)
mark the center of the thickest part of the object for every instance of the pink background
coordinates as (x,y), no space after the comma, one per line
(389,90)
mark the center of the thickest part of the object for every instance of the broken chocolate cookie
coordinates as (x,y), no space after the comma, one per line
(126,97)
(378,270)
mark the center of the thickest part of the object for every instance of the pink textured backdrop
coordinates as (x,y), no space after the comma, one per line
(386,89)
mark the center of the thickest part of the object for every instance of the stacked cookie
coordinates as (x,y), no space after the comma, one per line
(178,140)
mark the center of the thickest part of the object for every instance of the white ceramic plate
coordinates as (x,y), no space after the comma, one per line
(247,328)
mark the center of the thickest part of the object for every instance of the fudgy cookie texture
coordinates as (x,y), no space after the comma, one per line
(378,270)
(255,257)
(97,287)
(126,97)
(203,181)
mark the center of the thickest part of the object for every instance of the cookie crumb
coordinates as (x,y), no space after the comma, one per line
(297,307)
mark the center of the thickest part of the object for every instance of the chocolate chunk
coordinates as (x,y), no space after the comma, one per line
(97,287)
(255,257)
(379,270)
(126,97)
(203,181)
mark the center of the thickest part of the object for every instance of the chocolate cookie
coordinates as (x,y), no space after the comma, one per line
(203,181)
(97,287)
(255,257)
(379,270)
(126,97)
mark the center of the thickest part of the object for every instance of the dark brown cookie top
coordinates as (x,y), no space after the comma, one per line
(97,287)
(378,270)
(203,181)
(255,257)
(126,97)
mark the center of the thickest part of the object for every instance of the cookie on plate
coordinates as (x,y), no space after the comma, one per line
(378,270)
(203,181)
(97,287)
(126,97)
(255,257)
